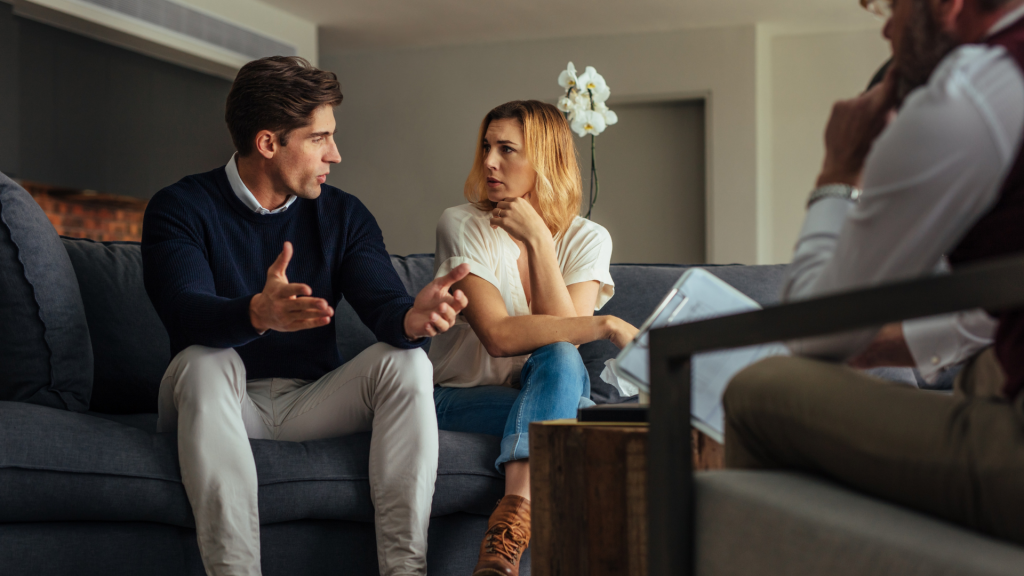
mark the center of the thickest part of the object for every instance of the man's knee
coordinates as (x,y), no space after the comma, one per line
(751,388)
(204,369)
(196,355)
(746,398)
(407,371)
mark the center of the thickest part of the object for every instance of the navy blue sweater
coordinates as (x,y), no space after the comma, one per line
(205,255)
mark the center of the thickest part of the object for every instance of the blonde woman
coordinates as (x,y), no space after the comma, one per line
(538,271)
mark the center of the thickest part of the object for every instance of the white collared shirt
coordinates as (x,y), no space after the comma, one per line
(465,236)
(243,193)
(930,176)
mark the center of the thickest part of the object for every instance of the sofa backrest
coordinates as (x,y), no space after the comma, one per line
(638,289)
(131,347)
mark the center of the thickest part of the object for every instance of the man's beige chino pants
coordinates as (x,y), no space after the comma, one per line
(205,396)
(957,456)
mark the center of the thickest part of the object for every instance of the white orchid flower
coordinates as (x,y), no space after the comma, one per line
(588,122)
(567,79)
(565,104)
(609,116)
(592,81)
(601,94)
(580,101)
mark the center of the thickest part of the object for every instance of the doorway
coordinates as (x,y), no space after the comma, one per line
(651,170)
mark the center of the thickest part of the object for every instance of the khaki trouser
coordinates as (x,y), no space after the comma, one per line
(205,396)
(959,457)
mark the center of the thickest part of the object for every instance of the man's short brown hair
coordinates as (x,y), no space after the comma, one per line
(278,93)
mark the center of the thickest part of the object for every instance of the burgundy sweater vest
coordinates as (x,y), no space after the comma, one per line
(1000,232)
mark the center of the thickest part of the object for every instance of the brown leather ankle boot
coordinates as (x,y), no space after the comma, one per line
(507,536)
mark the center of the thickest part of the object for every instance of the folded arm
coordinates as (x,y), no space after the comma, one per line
(503,335)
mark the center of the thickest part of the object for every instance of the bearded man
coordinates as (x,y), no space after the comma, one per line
(936,149)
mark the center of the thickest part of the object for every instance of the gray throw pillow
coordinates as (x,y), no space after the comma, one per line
(130,346)
(45,352)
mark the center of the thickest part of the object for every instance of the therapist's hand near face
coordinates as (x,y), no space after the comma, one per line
(520,219)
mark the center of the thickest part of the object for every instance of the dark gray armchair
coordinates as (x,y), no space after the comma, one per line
(997,284)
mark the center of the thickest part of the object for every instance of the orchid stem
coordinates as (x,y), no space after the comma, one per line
(593,164)
(593,176)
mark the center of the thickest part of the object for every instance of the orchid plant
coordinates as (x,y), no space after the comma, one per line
(585,109)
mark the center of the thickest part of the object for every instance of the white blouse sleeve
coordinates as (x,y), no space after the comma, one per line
(587,256)
(460,240)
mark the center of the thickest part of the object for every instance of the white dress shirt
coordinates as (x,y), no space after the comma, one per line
(243,193)
(930,176)
(465,236)
(938,342)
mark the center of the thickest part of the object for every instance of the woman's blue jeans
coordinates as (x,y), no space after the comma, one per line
(554,383)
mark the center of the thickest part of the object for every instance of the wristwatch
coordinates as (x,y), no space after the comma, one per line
(844,191)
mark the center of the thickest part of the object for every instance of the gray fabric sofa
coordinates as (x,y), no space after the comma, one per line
(93,489)
(785,524)
(99,492)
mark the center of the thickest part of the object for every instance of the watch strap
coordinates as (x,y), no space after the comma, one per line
(843,191)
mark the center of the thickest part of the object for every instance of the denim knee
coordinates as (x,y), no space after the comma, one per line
(559,364)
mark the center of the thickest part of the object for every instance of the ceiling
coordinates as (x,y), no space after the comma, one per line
(352,25)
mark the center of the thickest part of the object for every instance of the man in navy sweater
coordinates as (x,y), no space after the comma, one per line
(242,264)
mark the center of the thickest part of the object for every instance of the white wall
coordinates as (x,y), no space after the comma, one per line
(809,72)
(408,126)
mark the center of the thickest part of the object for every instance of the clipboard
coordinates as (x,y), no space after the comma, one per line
(696,295)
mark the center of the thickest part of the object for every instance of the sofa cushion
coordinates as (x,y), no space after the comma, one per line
(45,352)
(61,466)
(777,523)
(415,270)
(130,345)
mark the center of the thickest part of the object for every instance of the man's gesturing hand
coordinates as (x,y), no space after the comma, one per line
(435,309)
(287,307)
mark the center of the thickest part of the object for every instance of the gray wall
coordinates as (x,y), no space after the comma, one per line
(9,107)
(651,170)
(408,126)
(90,115)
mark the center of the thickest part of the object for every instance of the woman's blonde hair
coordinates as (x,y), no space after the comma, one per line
(549,148)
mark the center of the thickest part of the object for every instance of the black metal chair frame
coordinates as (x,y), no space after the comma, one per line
(996,284)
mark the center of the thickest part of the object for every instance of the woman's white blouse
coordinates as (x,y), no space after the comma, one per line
(464,235)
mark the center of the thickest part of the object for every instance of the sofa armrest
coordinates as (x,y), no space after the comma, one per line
(996,284)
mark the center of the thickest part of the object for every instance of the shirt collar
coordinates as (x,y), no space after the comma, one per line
(243,193)
(1005,22)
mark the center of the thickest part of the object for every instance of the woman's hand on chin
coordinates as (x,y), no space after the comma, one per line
(619,331)
(519,218)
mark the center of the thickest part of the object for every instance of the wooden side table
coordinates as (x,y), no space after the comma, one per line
(589,496)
